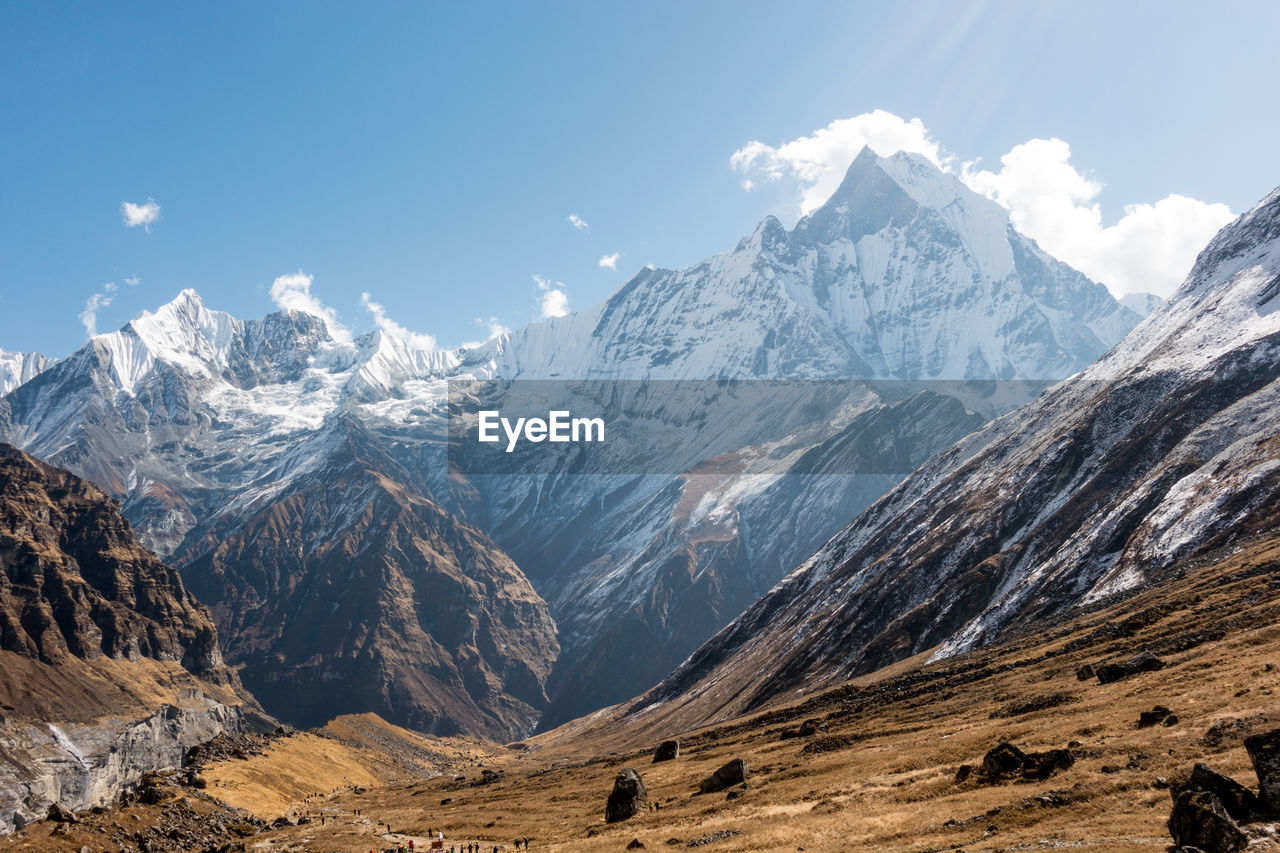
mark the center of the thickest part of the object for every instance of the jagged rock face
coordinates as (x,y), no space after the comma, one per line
(102,640)
(352,593)
(1164,449)
(198,422)
(81,765)
(75,581)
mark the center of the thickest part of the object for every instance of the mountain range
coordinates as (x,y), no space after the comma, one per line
(1162,451)
(299,480)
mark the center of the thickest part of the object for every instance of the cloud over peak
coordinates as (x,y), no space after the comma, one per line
(554,302)
(1151,248)
(292,292)
(609,261)
(394,329)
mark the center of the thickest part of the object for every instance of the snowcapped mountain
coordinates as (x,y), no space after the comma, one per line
(18,367)
(1164,449)
(904,273)
(228,440)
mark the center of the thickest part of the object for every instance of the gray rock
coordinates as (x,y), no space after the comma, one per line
(733,773)
(668,750)
(628,797)
(1264,752)
(1144,661)
(1238,801)
(1199,820)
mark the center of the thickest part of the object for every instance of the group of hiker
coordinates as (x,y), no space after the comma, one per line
(437,843)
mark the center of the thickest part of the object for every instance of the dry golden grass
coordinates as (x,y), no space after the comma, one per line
(890,786)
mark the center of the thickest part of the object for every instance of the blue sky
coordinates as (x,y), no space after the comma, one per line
(430,154)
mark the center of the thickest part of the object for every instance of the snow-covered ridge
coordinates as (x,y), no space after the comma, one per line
(1161,451)
(19,367)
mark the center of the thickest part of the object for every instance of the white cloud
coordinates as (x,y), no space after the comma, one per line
(94,304)
(293,293)
(133,281)
(140,214)
(394,329)
(493,326)
(609,261)
(1151,248)
(554,301)
(577,221)
(819,161)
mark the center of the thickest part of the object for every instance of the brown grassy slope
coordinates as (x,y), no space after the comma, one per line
(884,782)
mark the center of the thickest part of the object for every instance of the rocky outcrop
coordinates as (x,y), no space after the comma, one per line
(75,581)
(1005,762)
(78,766)
(628,797)
(1264,752)
(105,655)
(1143,661)
(1214,813)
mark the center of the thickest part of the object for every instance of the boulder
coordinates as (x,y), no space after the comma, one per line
(1155,716)
(636,844)
(1199,820)
(733,773)
(1004,760)
(1264,752)
(668,750)
(1143,661)
(60,814)
(1237,800)
(1042,765)
(1084,672)
(628,797)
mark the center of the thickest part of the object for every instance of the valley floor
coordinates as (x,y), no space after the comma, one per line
(881,777)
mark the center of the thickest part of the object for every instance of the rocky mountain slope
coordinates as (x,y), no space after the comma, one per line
(206,426)
(111,668)
(354,592)
(1162,450)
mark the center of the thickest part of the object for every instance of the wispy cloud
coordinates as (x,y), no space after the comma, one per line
(609,261)
(577,222)
(394,329)
(1151,248)
(494,328)
(94,304)
(293,293)
(554,301)
(144,214)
